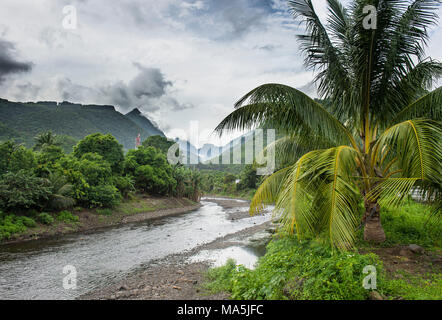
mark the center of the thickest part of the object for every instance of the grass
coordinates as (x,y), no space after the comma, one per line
(412,287)
(104,212)
(294,270)
(67,216)
(11,224)
(409,224)
(311,270)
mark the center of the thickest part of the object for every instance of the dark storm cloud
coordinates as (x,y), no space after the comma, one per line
(149,82)
(143,90)
(146,91)
(8,63)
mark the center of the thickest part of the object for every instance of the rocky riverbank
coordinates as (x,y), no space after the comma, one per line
(177,276)
(141,208)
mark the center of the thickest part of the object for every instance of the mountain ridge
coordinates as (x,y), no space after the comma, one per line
(22,121)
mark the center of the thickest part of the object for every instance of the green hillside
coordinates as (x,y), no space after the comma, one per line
(23,121)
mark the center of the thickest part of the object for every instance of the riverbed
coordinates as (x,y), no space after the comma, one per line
(101,259)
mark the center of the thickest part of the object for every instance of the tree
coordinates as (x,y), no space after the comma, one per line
(60,192)
(45,139)
(150,169)
(379,134)
(14,157)
(161,143)
(20,191)
(248,177)
(106,146)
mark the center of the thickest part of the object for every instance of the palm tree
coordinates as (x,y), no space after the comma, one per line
(60,197)
(45,139)
(377,136)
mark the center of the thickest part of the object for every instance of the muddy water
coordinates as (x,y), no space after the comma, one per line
(34,270)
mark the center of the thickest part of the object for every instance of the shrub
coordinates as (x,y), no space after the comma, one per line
(125,184)
(10,225)
(103,196)
(66,216)
(301,271)
(152,172)
(22,190)
(45,218)
(28,222)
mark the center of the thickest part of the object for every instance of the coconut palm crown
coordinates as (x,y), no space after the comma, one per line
(376,132)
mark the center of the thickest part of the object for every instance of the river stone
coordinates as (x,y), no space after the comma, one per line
(374,295)
(415,248)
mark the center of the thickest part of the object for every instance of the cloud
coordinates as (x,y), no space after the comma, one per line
(8,63)
(148,91)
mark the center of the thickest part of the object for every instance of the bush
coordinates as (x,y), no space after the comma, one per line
(10,225)
(151,171)
(66,216)
(124,184)
(103,196)
(409,224)
(27,222)
(45,218)
(22,190)
(293,270)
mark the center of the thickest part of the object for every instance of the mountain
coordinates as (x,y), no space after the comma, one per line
(143,122)
(23,121)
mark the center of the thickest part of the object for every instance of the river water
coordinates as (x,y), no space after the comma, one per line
(34,270)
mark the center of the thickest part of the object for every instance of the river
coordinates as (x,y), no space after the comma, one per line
(34,270)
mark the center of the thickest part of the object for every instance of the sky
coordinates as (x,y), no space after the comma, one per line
(178,61)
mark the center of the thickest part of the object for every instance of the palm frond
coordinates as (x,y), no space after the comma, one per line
(290,148)
(294,203)
(319,195)
(286,109)
(417,146)
(320,52)
(268,191)
(392,191)
(428,106)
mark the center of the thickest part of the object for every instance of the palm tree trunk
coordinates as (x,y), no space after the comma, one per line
(373,231)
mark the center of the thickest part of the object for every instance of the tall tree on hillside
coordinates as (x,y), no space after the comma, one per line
(45,139)
(379,136)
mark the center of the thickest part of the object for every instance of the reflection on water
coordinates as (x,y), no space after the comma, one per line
(34,270)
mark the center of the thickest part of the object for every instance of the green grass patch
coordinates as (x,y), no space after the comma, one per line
(67,216)
(311,270)
(104,212)
(45,218)
(294,270)
(414,287)
(408,224)
(10,225)
(130,209)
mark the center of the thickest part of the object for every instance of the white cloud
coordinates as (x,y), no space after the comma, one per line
(193,58)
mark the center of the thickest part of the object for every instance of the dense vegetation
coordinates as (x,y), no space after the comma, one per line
(39,184)
(224,183)
(377,137)
(71,122)
(311,269)
(350,159)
